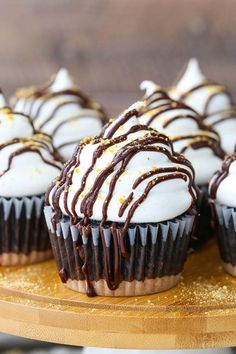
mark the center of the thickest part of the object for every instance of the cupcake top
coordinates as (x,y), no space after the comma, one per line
(190,136)
(129,174)
(211,100)
(222,186)
(27,160)
(61,110)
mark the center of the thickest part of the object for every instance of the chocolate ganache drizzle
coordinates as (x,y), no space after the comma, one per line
(129,174)
(28,160)
(61,110)
(222,185)
(211,100)
(183,125)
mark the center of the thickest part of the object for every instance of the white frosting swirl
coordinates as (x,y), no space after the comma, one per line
(132,157)
(27,160)
(190,136)
(62,111)
(222,186)
(209,99)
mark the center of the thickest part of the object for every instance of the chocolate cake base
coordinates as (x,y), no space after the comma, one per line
(126,288)
(229,268)
(12,259)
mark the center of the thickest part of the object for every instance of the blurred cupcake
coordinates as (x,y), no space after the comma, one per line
(222,191)
(61,110)
(121,213)
(27,166)
(199,143)
(211,100)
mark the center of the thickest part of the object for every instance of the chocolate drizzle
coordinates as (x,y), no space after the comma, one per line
(213,90)
(35,144)
(149,141)
(221,175)
(159,103)
(35,99)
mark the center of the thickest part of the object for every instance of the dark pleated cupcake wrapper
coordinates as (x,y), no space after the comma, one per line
(22,226)
(204,230)
(155,250)
(226,232)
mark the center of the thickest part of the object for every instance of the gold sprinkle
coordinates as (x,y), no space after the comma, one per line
(122,200)
(86,139)
(77,170)
(5,110)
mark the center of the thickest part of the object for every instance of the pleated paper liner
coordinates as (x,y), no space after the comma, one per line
(157,253)
(226,235)
(23,232)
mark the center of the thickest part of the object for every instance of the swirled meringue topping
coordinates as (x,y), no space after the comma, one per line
(27,160)
(190,136)
(61,110)
(223,184)
(211,100)
(129,174)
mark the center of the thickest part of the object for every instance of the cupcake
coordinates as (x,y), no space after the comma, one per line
(222,194)
(199,143)
(27,166)
(61,110)
(122,211)
(211,100)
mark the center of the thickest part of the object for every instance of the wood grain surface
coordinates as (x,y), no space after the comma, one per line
(110,46)
(200,312)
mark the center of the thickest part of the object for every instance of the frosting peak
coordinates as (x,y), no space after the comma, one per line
(123,123)
(211,100)
(128,174)
(192,76)
(62,81)
(62,111)
(149,86)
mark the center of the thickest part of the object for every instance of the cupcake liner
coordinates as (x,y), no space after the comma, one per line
(157,253)
(226,235)
(204,229)
(23,232)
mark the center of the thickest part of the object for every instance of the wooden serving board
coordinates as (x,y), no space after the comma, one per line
(200,312)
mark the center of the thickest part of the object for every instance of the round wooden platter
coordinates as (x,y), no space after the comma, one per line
(200,312)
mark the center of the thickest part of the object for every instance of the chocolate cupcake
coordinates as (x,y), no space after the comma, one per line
(199,143)
(211,100)
(222,191)
(121,213)
(61,110)
(27,166)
